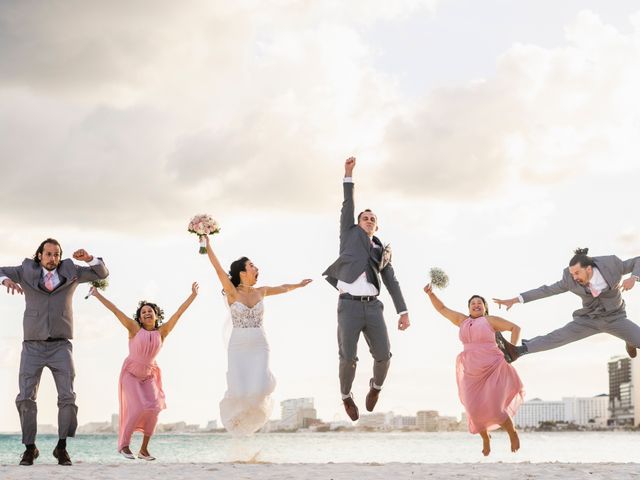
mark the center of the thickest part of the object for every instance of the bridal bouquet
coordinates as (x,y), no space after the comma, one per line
(101,284)
(439,279)
(203,225)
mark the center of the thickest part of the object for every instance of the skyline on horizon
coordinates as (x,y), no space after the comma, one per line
(491,141)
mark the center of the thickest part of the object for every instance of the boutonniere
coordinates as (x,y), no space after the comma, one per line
(386,257)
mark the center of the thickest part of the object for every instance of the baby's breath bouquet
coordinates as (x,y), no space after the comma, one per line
(203,225)
(439,279)
(100,284)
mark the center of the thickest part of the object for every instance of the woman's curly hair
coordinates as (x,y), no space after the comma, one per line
(156,308)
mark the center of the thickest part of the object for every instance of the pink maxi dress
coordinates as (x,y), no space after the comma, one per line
(489,388)
(140,387)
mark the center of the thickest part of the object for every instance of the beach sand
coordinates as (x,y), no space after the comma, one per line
(329,471)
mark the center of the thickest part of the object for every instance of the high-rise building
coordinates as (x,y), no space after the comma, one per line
(624,391)
(296,413)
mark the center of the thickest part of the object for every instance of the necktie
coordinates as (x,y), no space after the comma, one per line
(48,281)
(594,291)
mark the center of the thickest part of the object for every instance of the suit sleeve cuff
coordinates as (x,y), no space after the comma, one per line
(403,312)
(2,279)
(520,299)
(347,180)
(95,261)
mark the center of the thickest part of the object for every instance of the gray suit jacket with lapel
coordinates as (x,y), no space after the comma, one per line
(357,255)
(50,314)
(609,302)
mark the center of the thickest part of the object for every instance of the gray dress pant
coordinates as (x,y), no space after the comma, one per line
(354,317)
(58,357)
(617,325)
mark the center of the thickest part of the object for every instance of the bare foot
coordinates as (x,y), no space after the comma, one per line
(127,450)
(515,441)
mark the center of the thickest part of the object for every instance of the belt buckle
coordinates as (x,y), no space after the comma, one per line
(365,298)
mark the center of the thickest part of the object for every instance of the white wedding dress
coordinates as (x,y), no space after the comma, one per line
(247,404)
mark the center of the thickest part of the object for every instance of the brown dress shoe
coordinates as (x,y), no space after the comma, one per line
(372,397)
(29,456)
(631,350)
(63,456)
(509,350)
(351,408)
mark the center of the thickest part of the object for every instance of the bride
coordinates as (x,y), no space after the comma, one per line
(246,405)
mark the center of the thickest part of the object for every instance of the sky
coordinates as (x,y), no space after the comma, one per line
(492,138)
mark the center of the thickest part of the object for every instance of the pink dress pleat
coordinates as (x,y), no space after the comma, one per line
(489,388)
(140,387)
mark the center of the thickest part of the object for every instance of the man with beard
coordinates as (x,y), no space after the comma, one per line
(48,283)
(598,282)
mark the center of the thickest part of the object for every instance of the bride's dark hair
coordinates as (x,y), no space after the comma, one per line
(236,267)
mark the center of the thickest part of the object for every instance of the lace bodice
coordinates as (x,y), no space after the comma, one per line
(245,317)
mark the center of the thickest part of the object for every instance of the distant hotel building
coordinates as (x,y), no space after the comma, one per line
(531,413)
(427,420)
(583,411)
(624,391)
(297,413)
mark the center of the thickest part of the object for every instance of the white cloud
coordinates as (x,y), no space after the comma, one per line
(546,116)
(139,115)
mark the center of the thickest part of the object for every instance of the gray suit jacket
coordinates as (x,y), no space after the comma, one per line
(357,255)
(609,302)
(50,314)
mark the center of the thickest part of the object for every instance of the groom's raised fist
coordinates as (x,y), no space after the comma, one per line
(82,255)
(349,163)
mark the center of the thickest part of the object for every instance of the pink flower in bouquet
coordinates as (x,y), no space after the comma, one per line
(202,225)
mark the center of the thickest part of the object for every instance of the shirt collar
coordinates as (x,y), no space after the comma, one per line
(54,272)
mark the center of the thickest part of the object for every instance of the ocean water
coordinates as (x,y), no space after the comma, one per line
(414,447)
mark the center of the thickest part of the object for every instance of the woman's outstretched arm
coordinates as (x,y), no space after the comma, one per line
(287,287)
(454,317)
(167,327)
(129,323)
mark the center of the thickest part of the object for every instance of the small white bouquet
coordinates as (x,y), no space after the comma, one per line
(439,279)
(386,257)
(203,225)
(100,284)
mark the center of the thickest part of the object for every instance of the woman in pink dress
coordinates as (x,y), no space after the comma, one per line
(140,387)
(489,388)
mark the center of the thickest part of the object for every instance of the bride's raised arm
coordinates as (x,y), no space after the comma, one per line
(287,287)
(227,286)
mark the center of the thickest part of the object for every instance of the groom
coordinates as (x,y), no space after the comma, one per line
(598,282)
(48,283)
(356,275)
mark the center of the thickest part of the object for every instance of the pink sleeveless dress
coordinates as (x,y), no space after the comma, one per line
(140,388)
(489,388)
